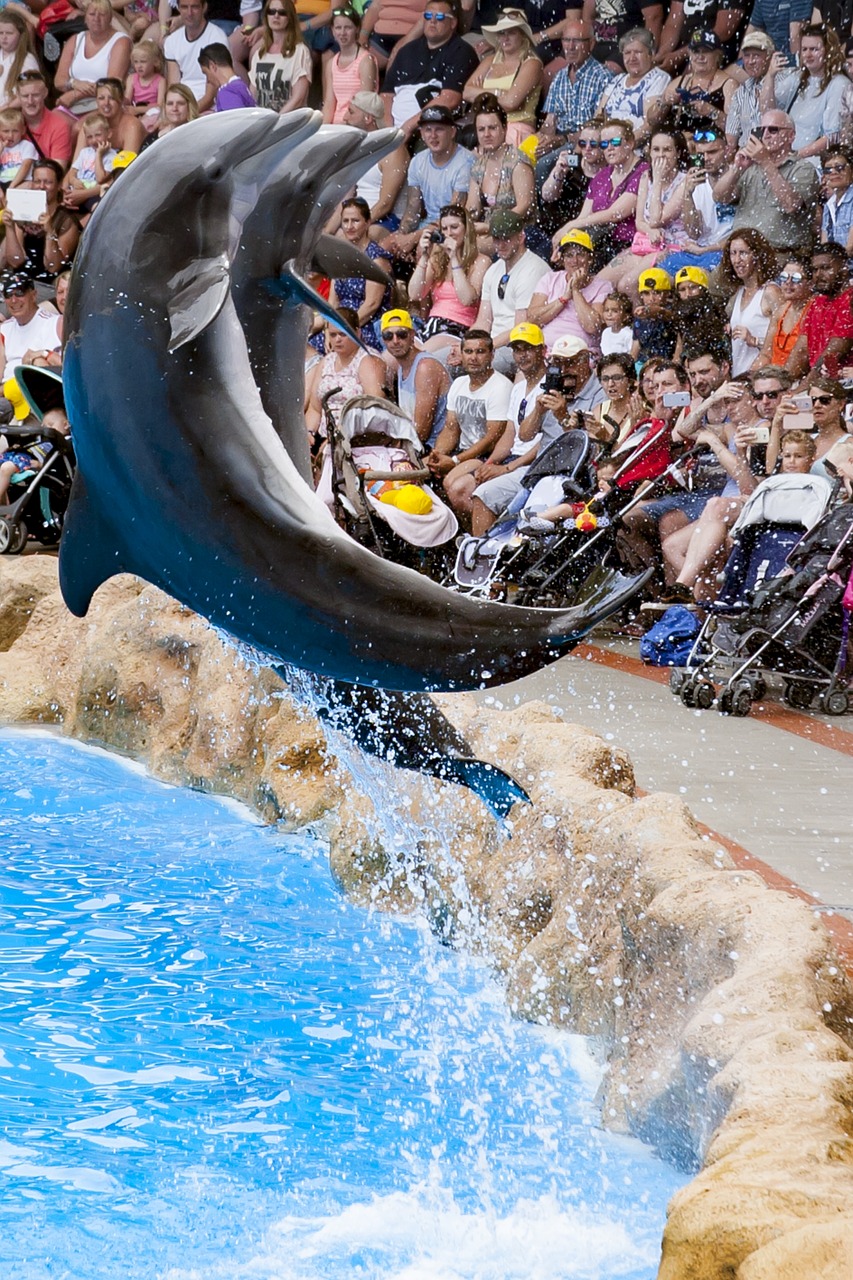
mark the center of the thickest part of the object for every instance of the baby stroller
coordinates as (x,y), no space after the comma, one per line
(375,484)
(768,619)
(563,470)
(38,495)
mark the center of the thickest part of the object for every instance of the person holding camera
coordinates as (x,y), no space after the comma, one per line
(448,277)
(570,390)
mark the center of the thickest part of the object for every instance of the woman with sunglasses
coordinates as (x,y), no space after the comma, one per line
(281,67)
(564,189)
(795,282)
(608,212)
(350,71)
(448,277)
(828,399)
(747,271)
(631,95)
(512,72)
(812,94)
(501,175)
(837,220)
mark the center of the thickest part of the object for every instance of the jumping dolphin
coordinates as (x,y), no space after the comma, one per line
(182,478)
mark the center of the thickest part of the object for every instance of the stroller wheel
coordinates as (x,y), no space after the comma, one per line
(736,701)
(13,536)
(678,678)
(687,692)
(704,694)
(834,702)
(799,695)
(757,686)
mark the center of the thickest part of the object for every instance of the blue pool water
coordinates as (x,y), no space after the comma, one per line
(213,1067)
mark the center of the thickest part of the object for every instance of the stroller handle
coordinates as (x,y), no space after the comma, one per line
(409,477)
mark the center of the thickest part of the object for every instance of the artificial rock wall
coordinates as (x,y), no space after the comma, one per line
(725,1016)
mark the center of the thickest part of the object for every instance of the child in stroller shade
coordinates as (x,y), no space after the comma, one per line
(29,457)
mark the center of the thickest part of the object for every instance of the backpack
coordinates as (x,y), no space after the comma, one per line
(669,641)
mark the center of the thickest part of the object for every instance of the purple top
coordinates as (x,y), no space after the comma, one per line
(603,194)
(233,94)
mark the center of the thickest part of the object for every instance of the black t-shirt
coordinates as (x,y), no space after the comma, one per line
(701,15)
(447,67)
(613,18)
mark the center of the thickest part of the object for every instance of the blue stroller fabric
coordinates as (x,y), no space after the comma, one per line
(669,642)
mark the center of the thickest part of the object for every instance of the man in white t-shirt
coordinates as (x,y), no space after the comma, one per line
(508,285)
(477,407)
(31,330)
(183,46)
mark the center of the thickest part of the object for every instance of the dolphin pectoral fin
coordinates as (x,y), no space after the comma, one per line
(498,791)
(338,260)
(85,555)
(197,295)
(292,286)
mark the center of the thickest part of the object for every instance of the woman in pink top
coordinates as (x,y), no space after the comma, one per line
(350,71)
(449,277)
(568,302)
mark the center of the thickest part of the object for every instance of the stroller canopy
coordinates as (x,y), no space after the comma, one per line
(786,500)
(368,414)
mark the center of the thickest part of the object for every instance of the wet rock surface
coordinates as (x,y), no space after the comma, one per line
(724,1014)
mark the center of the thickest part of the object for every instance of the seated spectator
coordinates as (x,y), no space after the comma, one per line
(512,74)
(45,248)
(569,301)
(826,327)
(554,412)
(17,153)
(33,456)
(707,221)
(90,56)
(365,297)
(837,221)
(699,316)
(422,381)
(572,97)
(617,314)
(748,273)
(828,399)
(507,285)
(501,175)
(655,333)
(448,278)
(16,55)
(50,131)
(496,481)
(439,175)
(127,133)
(812,92)
(631,95)
(659,220)
(350,71)
(429,71)
(795,283)
(477,406)
(386,22)
(773,190)
(145,86)
(229,91)
(384,181)
(280,69)
(565,188)
(744,114)
(81,186)
(610,207)
(183,45)
(700,98)
(179,107)
(347,369)
(613,420)
(29,327)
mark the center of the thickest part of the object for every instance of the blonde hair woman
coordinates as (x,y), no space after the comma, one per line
(95,54)
(513,73)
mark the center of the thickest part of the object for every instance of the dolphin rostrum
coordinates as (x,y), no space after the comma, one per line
(182,477)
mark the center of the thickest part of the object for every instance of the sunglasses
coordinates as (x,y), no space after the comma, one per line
(390,334)
(834,168)
(336,13)
(436,17)
(588,142)
(767,395)
(610,142)
(522,408)
(705,135)
(15,293)
(502,284)
(773,128)
(822,399)
(791,277)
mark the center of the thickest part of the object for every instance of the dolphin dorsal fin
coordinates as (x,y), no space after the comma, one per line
(88,555)
(196,296)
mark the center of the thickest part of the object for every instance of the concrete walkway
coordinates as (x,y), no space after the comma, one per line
(778,783)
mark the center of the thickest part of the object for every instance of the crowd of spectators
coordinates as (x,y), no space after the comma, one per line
(593,215)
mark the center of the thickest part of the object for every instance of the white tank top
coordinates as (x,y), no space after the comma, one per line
(95,68)
(753,319)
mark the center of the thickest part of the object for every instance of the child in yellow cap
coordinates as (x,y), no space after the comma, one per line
(697,313)
(654,332)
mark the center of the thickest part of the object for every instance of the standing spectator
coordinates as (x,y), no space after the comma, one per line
(631,95)
(826,330)
(756,51)
(749,268)
(16,54)
(90,56)
(184,45)
(429,71)
(281,68)
(422,381)
(569,301)
(350,71)
(439,175)
(773,190)
(573,96)
(507,285)
(501,176)
(837,221)
(811,95)
(513,73)
(230,92)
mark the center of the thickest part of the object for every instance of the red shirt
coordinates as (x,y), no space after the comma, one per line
(827,318)
(53,137)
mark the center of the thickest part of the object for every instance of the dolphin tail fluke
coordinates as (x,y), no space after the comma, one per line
(87,553)
(498,791)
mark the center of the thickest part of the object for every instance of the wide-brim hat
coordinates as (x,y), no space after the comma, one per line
(508,21)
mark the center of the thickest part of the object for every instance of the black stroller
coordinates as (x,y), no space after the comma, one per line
(780,608)
(38,495)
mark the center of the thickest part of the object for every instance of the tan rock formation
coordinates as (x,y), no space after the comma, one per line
(725,1014)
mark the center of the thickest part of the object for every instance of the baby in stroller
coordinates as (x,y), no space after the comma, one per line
(31,453)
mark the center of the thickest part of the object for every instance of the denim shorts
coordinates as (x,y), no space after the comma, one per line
(692,504)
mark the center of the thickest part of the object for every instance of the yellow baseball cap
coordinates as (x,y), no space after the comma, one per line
(401,319)
(655,280)
(530,333)
(583,238)
(694,274)
(123,159)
